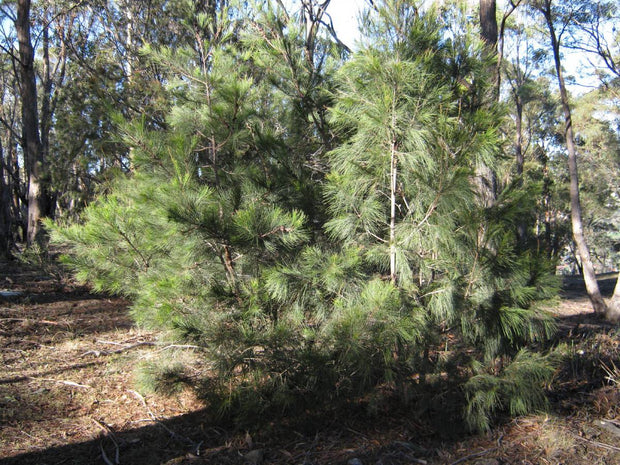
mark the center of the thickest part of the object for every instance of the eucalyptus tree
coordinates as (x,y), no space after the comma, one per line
(11,186)
(40,54)
(79,66)
(533,126)
(596,118)
(6,233)
(596,34)
(38,190)
(488,22)
(557,18)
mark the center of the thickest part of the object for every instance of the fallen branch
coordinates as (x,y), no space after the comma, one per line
(37,344)
(45,322)
(598,444)
(610,426)
(160,423)
(104,456)
(179,346)
(111,342)
(108,434)
(10,349)
(60,381)
(473,456)
(98,353)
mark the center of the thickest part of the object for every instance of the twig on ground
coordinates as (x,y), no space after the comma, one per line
(60,381)
(97,353)
(9,349)
(597,443)
(108,434)
(29,435)
(178,346)
(104,456)
(133,346)
(37,344)
(159,422)
(99,341)
(473,456)
(357,433)
(45,322)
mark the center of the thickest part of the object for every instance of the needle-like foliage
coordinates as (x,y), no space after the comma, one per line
(303,286)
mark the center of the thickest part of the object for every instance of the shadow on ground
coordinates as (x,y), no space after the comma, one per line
(47,314)
(156,443)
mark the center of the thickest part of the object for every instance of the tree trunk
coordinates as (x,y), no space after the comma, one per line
(488,23)
(31,142)
(486,178)
(393,185)
(613,309)
(594,293)
(519,136)
(5,206)
(521,227)
(551,239)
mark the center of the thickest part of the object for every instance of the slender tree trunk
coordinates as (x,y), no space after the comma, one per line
(18,192)
(5,205)
(521,227)
(6,233)
(594,293)
(613,309)
(393,184)
(129,45)
(37,195)
(490,35)
(486,177)
(519,136)
(551,240)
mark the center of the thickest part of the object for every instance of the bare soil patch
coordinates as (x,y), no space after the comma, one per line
(67,396)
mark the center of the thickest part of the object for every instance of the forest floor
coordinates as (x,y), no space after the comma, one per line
(67,396)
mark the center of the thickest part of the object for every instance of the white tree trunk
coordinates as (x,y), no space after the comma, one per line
(393,181)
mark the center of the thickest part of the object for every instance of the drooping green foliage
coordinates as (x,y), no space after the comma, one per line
(302,286)
(402,190)
(516,390)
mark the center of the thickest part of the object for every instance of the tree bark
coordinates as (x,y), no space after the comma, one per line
(5,206)
(521,227)
(486,178)
(589,276)
(393,185)
(488,23)
(613,309)
(31,141)
(519,136)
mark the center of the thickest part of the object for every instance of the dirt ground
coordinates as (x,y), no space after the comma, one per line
(67,396)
